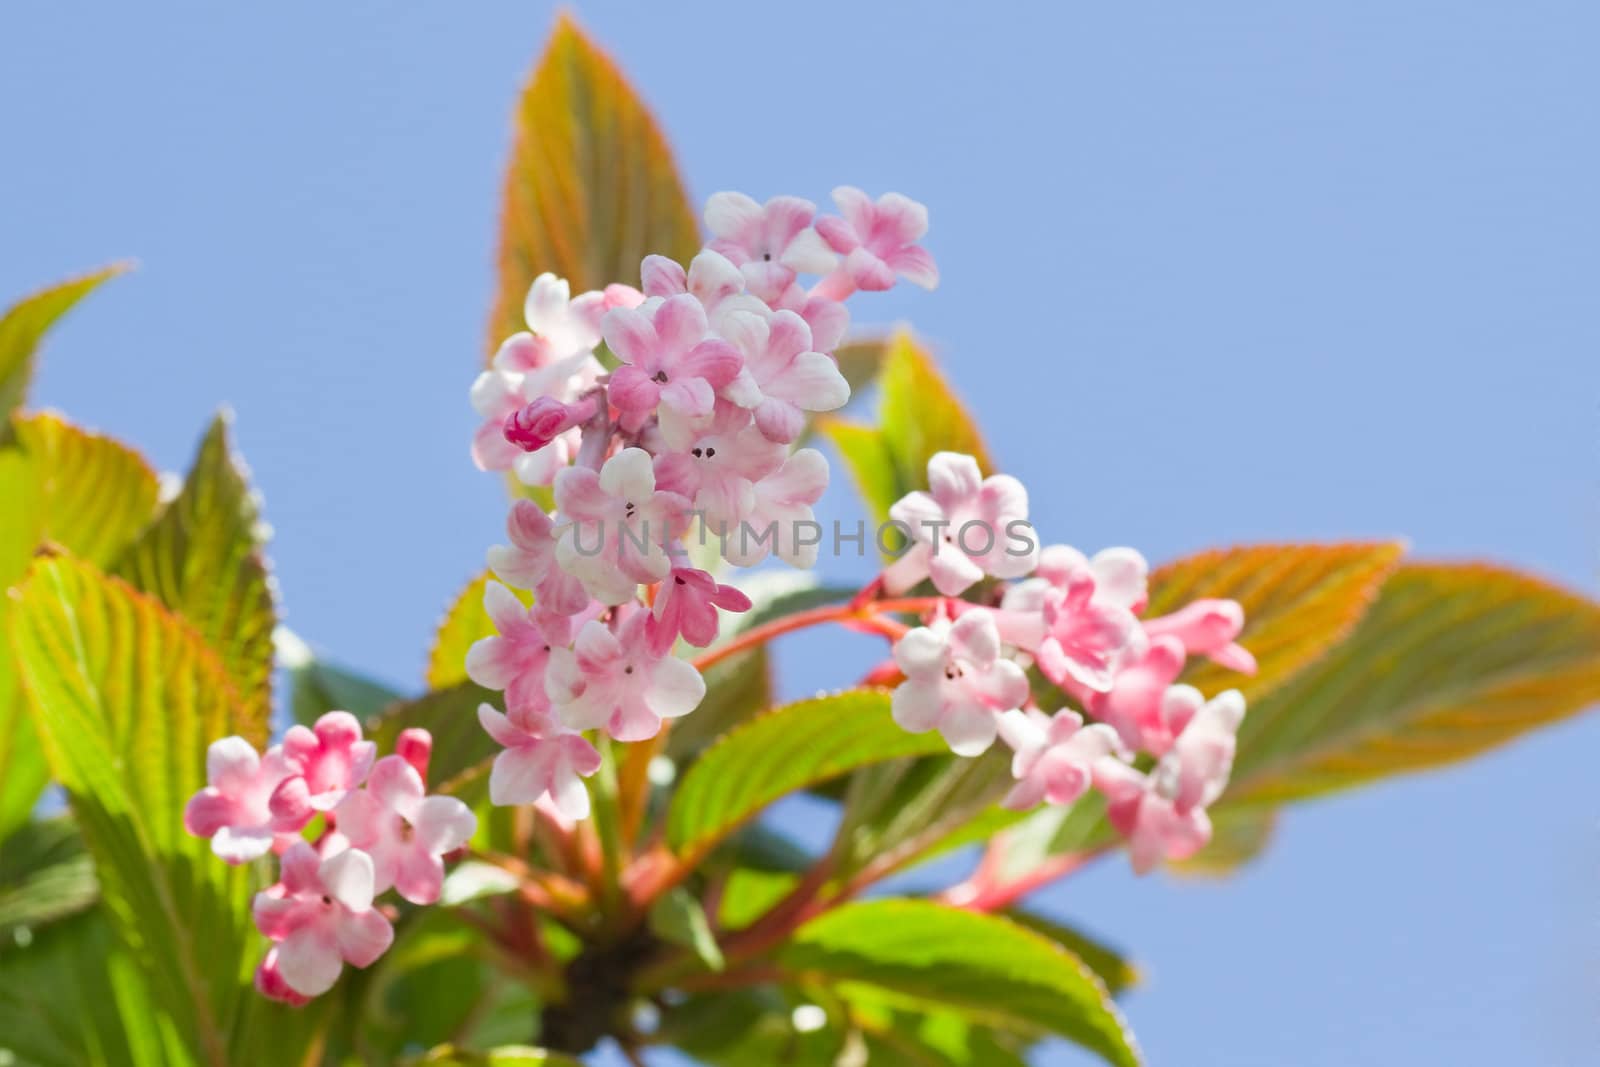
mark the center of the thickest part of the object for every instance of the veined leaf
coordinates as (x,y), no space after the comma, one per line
(464,623)
(85,492)
(24,325)
(1299,600)
(1107,963)
(203,559)
(126,698)
(1450,661)
(591,188)
(45,875)
(784,750)
(872,465)
(990,970)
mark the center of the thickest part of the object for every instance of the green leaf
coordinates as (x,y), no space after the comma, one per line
(676,916)
(24,325)
(465,623)
(1112,968)
(79,490)
(45,875)
(918,415)
(1452,660)
(861,361)
(987,968)
(591,188)
(1300,600)
(72,996)
(203,558)
(780,752)
(461,750)
(317,686)
(126,697)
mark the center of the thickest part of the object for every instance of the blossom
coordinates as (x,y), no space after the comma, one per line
(619,522)
(331,759)
(686,605)
(1054,755)
(782,516)
(769,243)
(1082,635)
(878,240)
(320,914)
(782,377)
(233,809)
(827,318)
(405,831)
(956,681)
(270,983)
(1162,814)
(668,360)
(716,464)
(514,659)
(964,526)
(710,279)
(1136,704)
(615,682)
(529,561)
(1120,574)
(1208,628)
(415,746)
(538,762)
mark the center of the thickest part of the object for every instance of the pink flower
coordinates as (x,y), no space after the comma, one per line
(539,763)
(496,395)
(331,760)
(956,681)
(782,377)
(1082,635)
(234,808)
(320,914)
(516,659)
(1208,628)
(1054,755)
(1163,814)
(544,421)
(769,243)
(668,360)
(529,561)
(878,241)
(710,279)
(964,527)
(1136,704)
(615,682)
(1120,574)
(781,522)
(415,746)
(270,984)
(561,325)
(686,605)
(619,523)
(405,831)
(828,319)
(716,464)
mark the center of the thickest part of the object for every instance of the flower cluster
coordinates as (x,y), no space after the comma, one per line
(378,830)
(688,440)
(1077,621)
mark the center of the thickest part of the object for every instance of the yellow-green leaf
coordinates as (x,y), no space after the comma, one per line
(203,558)
(126,698)
(1453,659)
(989,969)
(24,325)
(591,188)
(1299,601)
(787,749)
(94,494)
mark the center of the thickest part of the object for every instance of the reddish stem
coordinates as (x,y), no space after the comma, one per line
(869,617)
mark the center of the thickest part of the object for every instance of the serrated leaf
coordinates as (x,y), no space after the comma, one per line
(126,697)
(86,493)
(24,325)
(45,875)
(1111,966)
(463,623)
(1299,600)
(461,749)
(1453,659)
(203,558)
(780,752)
(987,968)
(591,188)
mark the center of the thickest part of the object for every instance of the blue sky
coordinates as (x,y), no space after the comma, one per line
(1215,273)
